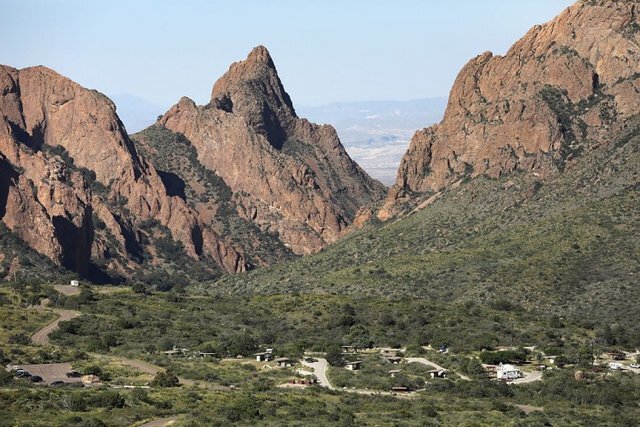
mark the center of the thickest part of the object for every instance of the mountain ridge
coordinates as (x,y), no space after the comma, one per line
(79,190)
(555,94)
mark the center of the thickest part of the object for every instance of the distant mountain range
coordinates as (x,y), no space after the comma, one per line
(376,134)
(136,113)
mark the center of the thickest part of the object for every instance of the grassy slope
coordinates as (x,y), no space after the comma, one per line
(568,246)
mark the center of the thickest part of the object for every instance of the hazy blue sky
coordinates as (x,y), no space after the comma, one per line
(325,50)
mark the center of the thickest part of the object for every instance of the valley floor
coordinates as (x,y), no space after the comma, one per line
(392,387)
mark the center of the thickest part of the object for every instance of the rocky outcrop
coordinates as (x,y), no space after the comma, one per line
(560,90)
(250,177)
(288,176)
(67,164)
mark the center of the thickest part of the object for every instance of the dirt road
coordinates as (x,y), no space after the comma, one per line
(162,422)
(67,289)
(42,336)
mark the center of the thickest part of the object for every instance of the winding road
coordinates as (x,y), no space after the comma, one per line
(320,371)
(42,336)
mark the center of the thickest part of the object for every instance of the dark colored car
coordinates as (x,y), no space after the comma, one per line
(73,374)
(22,374)
(57,383)
(36,379)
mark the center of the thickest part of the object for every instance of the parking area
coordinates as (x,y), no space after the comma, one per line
(50,372)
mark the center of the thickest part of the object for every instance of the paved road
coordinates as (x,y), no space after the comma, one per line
(320,367)
(42,336)
(162,422)
(528,378)
(426,362)
(320,371)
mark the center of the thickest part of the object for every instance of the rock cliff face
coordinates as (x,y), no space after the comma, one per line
(560,90)
(73,186)
(207,190)
(288,176)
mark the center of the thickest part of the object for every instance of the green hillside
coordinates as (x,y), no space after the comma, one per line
(568,246)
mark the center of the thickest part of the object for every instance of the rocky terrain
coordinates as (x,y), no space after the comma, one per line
(559,92)
(288,176)
(78,190)
(75,189)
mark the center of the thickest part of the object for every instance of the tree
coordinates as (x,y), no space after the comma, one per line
(475,368)
(358,336)
(165,379)
(584,357)
(334,355)
(140,288)
(5,377)
(86,296)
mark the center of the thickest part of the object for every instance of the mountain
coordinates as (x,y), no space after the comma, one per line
(75,188)
(524,197)
(208,190)
(559,92)
(377,133)
(289,177)
(136,113)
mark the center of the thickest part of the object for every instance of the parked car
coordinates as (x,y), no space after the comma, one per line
(73,374)
(36,379)
(634,366)
(21,373)
(57,383)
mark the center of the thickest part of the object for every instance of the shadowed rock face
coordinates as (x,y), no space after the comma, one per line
(77,189)
(560,90)
(287,175)
(56,137)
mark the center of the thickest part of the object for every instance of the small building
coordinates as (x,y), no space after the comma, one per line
(353,366)
(400,389)
(175,351)
(438,373)
(284,362)
(264,356)
(508,372)
(75,283)
(394,359)
(394,372)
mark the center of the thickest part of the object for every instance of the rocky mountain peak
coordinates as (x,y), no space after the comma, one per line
(559,92)
(288,176)
(252,89)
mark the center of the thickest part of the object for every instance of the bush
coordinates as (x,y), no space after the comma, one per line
(165,379)
(108,399)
